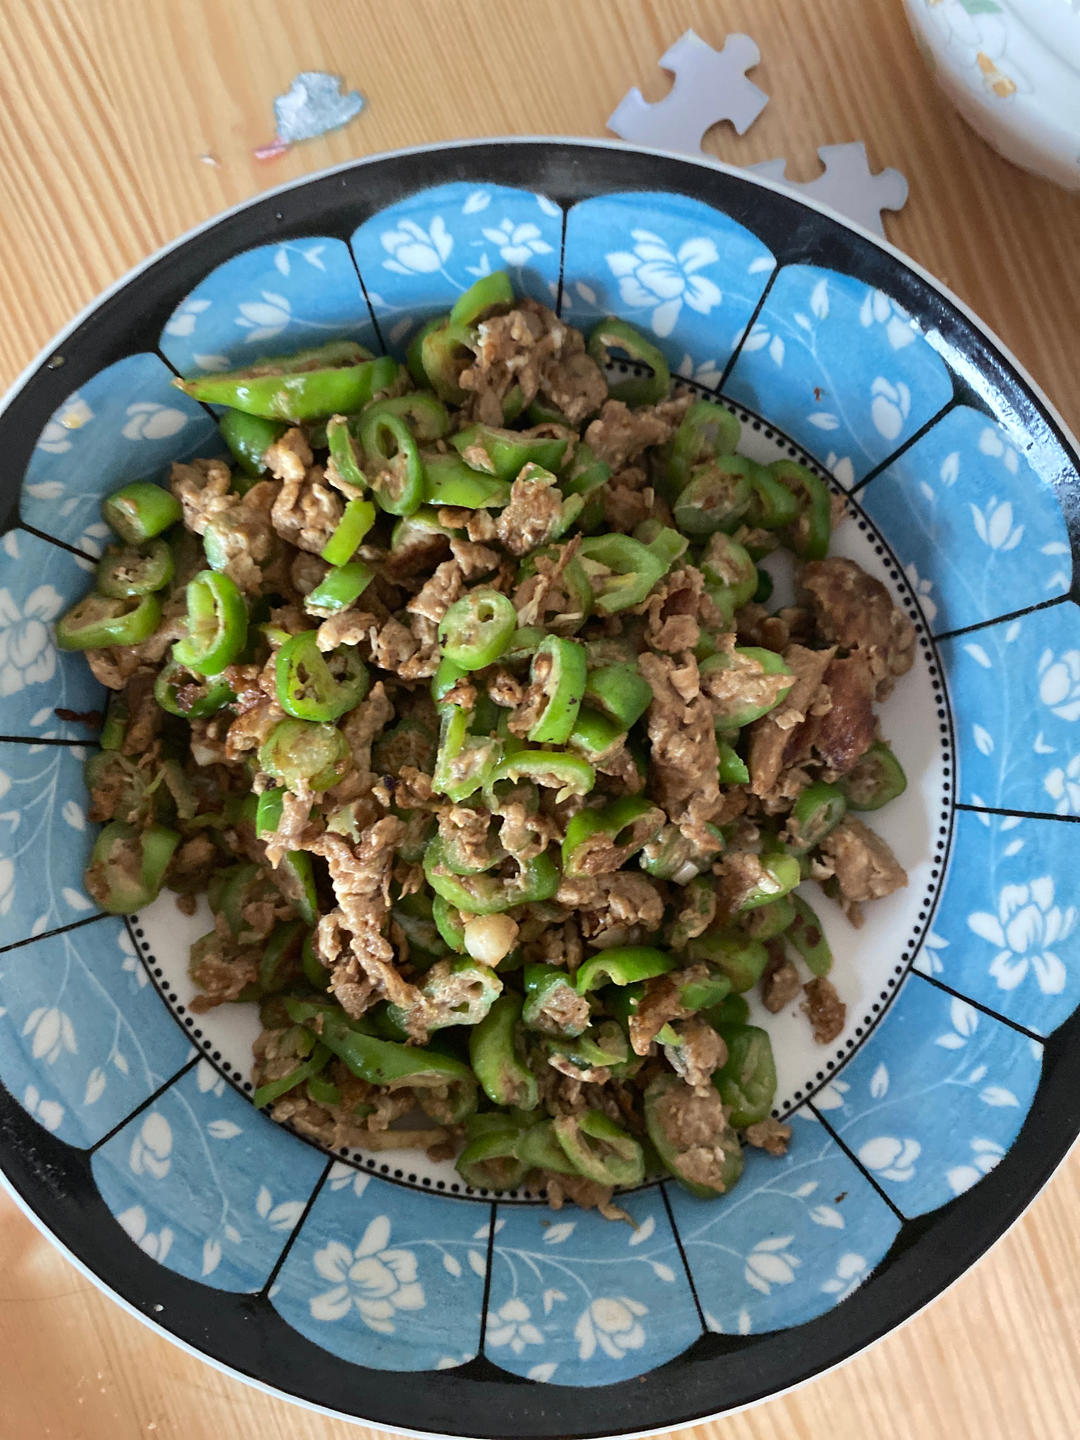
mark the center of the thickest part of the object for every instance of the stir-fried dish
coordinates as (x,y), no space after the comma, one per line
(456,690)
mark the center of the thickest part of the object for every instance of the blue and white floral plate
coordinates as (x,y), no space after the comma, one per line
(125,1125)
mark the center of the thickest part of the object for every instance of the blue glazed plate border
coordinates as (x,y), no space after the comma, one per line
(53,1180)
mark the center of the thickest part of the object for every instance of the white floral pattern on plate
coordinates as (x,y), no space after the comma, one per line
(966,511)
(1004,932)
(669,265)
(418,256)
(386,1276)
(785,1235)
(581,1301)
(830,360)
(933,1056)
(125,423)
(38,581)
(81,1043)
(1015,710)
(229,1229)
(270,300)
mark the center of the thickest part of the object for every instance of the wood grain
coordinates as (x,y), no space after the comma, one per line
(103,120)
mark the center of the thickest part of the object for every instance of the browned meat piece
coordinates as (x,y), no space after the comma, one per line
(306,511)
(294,829)
(855,611)
(392,646)
(202,487)
(289,457)
(699,1131)
(740,874)
(826,1010)
(563,1011)
(549,944)
(864,866)
(504,690)
(474,560)
(619,435)
(193,863)
(222,971)
(531,347)
(846,730)
(144,713)
(543,598)
(361,878)
(348,627)
(769,1135)
(684,757)
(613,908)
(361,726)
(586,1193)
(659,1005)
(438,592)
(741,681)
(776,740)
(674,609)
(699,1053)
(780,984)
(533,514)
(305,573)
(628,499)
(469,833)
(114,665)
(759,626)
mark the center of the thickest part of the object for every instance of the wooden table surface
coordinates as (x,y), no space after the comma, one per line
(106,110)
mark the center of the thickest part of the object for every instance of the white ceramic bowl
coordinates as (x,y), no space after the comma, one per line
(1012,69)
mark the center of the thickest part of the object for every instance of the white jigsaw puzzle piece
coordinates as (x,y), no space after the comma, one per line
(848,184)
(709,85)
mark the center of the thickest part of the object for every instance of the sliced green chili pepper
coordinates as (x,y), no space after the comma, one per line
(539,1149)
(876,778)
(339,588)
(489,293)
(781,873)
(300,753)
(315,972)
(819,809)
(505,453)
(755,662)
(669,1101)
(498,1058)
(116,722)
(449,923)
(621,571)
(586,476)
(343,452)
(295,395)
(323,1091)
(764,587)
(706,430)
(384,1062)
(217,624)
(127,866)
(308,688)
(772,506)
(809,534)
(491,1159)
(268,811)
(594,735)
(414,350)
(449,481)
(552,1004)
(730,573)
(297,881)
(122,573)
(464,860)
(716,496)
(599,1149)
(747,1079)
(444,351)
(464,762)
(622,965)
(445,678)
(808,937)
(614,334)
(249,437)
(602,1045)
(537,879)
(741,959)
(139,511)
(472,986)
(660,540)
(771,919)
(96,621)
(476,629)
(619,693)
(356,520)
(554,769)
(619,830)
(562,615)
(558,669)
(732,769)
(281,950)
(735,1010)
(425,414)
(397,473)
(193,697)
(274,1089)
